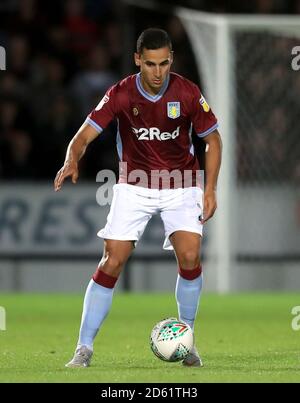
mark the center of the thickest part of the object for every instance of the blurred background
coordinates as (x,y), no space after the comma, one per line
(62,56)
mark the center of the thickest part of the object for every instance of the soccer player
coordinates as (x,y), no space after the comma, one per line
(156,110)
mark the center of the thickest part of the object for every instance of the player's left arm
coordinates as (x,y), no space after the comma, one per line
(213,157)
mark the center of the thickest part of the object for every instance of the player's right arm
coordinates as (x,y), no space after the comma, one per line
(97,120)
(76,149)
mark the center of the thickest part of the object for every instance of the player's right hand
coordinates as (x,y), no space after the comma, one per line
(69,169)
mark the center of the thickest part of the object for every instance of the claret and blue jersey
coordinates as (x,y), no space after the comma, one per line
(154,132)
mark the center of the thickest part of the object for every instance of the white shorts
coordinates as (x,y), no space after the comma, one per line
(133,206)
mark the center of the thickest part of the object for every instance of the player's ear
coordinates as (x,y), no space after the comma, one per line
(171,57)
(137,59)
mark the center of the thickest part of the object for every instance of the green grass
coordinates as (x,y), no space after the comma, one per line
(242,338)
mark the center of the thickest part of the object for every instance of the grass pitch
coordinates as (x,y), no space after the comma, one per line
(242,338)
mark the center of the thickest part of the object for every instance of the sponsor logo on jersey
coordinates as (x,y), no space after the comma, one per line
(135,111)
(173,110)
(103,101)
(204,104)
(153,133)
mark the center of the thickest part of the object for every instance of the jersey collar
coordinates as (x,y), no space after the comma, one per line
(145,94)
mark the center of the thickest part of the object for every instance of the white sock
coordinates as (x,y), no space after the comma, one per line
(187,294)
(97,303)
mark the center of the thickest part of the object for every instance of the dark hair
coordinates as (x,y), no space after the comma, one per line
(153,38)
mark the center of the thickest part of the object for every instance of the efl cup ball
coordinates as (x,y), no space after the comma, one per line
(171,340)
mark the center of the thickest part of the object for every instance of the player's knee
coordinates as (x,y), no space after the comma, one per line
(189,259)
(111,264)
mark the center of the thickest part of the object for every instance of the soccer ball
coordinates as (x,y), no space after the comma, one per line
(171,340)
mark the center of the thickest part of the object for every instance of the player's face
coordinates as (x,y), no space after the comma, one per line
(155,66)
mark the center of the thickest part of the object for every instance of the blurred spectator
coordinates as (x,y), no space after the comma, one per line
(16,141)
(113,45)
(49,82)
(56,130)
(58,47)
(89,86)
(18,56)
(10,86)
(264,6)
(82,32)
(27,22)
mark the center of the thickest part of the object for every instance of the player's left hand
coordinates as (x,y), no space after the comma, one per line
(210,205)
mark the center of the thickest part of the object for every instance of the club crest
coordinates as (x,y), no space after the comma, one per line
(173,109)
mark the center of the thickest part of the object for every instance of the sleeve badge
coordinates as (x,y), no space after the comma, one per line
(204,104)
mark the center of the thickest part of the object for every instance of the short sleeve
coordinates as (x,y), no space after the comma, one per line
(105,111)
(203,118)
